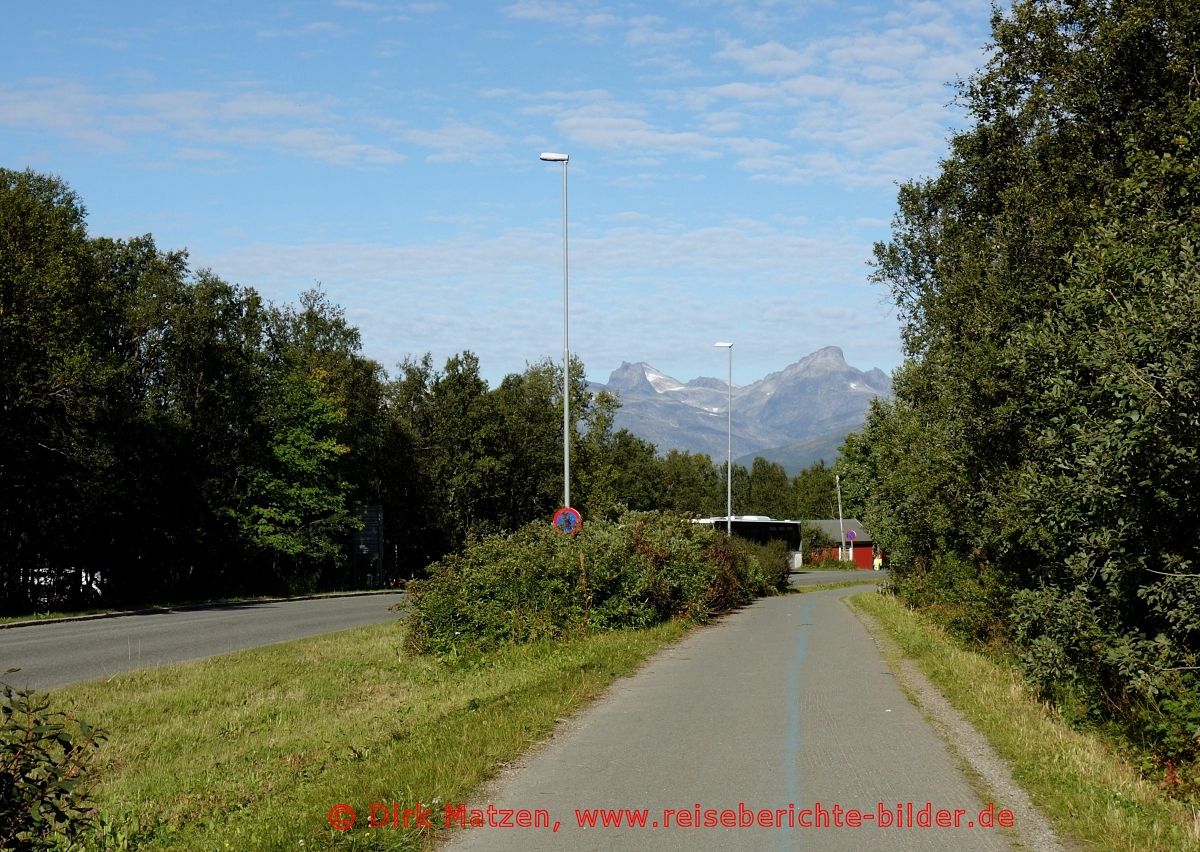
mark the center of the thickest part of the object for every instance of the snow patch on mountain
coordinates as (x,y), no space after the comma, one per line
(816,397)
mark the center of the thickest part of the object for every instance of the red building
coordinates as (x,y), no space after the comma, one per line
(857,540)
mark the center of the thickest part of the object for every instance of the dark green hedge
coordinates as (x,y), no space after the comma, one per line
(541,584)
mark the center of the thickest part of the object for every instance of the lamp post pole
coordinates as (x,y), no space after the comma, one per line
(729,448)
(837,480)
(551,157)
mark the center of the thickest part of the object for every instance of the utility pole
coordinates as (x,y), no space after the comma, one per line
(841,526)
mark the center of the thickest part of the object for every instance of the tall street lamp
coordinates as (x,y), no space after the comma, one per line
(729,452)
(551,157)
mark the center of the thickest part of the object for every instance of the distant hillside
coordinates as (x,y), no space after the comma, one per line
(796,457)
(793,416)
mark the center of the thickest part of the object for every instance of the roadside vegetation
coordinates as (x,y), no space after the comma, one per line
(251,750)
(539,584)
(45,783)
(1035,483)
(1089,792)
(172,436)
(831,564)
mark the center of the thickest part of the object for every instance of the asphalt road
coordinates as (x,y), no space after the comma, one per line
(52,655)
(780,706)
(814,578)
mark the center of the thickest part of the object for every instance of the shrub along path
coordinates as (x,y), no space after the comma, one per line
(784,702)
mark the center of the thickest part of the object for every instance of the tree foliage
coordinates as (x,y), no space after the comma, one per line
(1038,468)
(170,435)
(45,773)
(166,432)
(539,584)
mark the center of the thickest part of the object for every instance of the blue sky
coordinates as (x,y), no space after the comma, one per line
(732,163)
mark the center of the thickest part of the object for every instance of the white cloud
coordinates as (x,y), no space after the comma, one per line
(723,121)
(284,123)
(455,141)
(771,58)
(323,144)
(199,154)
(653,31)
(546,11)
(314,28)
(642,288)
(63,107)
(600,19)
(611,131)
(862,110)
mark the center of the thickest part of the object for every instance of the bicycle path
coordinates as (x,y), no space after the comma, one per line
(780,706)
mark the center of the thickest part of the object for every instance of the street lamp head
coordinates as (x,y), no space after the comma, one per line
(723,345)
(551,157)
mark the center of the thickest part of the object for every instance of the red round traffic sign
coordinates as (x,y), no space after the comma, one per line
(568,520)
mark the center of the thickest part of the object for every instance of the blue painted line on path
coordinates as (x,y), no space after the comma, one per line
(790,838)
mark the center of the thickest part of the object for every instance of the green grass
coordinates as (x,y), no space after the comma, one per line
(830,565)
(251,750)
(45,616)
(1085,789)
(824,587)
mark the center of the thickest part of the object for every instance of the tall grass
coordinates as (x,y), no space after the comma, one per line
(1085,789)
(251,750)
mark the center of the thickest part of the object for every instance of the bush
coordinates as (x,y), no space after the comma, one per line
(1140,685)
(538,583)
(832,563)
(774,562)
(966,596)
(44,760)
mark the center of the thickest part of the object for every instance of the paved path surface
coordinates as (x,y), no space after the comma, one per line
(781,705)
(51,655)
(813,578)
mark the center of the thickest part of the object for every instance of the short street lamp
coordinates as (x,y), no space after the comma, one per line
(729,451)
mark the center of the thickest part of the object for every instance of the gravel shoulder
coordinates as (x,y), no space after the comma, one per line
(989,772)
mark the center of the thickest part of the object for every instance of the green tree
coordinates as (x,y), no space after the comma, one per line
(140,403)
(740,489)
(529,409)
(814,494)
(617,470)
(1038,464)
(451,417)
(768,490)
(315,337)
(690,484)
(55,377)
(296,508)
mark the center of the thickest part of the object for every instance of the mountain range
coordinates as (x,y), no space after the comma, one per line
(795,416)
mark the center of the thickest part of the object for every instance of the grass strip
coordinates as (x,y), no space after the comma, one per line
(1085,789)
(824,587)
(251,750)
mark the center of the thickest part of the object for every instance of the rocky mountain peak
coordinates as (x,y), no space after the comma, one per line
(640,379)
(819,399)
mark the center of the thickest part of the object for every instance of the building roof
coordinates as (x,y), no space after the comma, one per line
(831,529)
